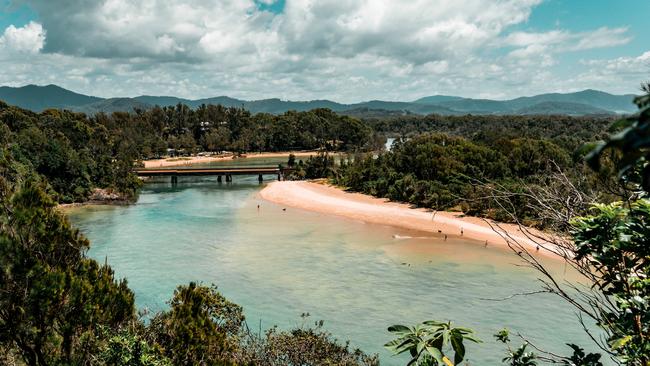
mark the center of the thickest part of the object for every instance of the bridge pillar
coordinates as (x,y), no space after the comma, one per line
(228,178)
(259,178)
(218,178)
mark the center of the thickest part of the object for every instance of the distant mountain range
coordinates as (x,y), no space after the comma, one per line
(586,102)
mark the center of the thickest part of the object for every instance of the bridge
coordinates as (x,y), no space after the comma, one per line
(220,172)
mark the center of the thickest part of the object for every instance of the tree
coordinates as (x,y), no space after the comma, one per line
(217,139)
(128,348)
(616,242)
(302,346)
(52,298)
(292,161)
(609,248)
(200,328)
(320,166)
(634,144)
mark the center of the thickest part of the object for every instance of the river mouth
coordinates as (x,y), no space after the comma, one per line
(359,278)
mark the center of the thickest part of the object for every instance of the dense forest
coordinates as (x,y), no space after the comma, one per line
(478,127)
(76,153)
(461,163)
(441,172)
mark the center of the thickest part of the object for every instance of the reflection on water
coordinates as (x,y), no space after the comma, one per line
(359,278)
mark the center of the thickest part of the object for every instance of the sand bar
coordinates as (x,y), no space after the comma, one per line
(331,200)
(169,162)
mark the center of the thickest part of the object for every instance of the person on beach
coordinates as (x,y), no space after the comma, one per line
(461,231)
(486,243)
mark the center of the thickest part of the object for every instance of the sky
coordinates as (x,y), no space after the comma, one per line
(342,50)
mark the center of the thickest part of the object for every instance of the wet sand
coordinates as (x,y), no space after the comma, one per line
(331,200)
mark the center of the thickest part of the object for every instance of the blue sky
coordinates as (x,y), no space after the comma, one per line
(341,50)
(585,15)
(15,14)
(275,7)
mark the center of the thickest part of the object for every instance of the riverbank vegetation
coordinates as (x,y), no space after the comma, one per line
(463,163)
(76,154)
(58,307)
(442,172)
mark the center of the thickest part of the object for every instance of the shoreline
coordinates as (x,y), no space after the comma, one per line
(170,162)
(100,197)
(328,199)
(66,206)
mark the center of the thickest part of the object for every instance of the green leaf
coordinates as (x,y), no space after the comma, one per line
(399,329)
(401,347)
(620,342)
(435,353)
(459,348)
(420,347)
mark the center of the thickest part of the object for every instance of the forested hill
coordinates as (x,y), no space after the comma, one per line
(587,102)
(38,98)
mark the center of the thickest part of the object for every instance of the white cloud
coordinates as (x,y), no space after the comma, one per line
(346,50)
(535,46)
(416,31)
(29,38)
(639,65)
(602,37)
(524,39)
(541,49)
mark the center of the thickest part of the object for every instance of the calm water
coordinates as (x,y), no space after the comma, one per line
(278,264)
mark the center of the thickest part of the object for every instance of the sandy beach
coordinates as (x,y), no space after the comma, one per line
(331,200)
(170,162)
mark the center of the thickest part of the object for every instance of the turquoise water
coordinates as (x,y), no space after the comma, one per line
(356,277)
